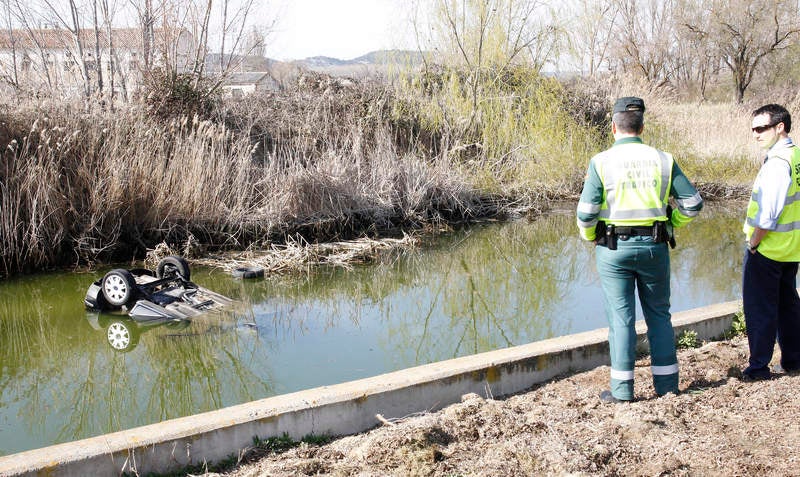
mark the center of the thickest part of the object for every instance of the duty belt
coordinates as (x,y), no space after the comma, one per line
(633,231)
(607,234)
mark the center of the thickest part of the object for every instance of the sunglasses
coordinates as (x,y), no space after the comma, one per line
(761,129)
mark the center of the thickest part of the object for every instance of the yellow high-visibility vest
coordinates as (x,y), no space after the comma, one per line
(783,243)
(636,179)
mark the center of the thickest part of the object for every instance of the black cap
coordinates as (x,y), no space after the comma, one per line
(628,103)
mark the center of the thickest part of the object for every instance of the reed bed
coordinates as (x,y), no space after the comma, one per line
(328,160)
(80,188)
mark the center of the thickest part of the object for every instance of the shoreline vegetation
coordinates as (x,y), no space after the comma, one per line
(326,160)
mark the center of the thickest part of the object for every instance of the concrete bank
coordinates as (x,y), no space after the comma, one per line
(341,409)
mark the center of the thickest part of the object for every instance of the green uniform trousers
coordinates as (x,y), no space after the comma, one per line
(641,265)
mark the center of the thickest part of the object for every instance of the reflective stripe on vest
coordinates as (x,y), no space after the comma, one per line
(783,243)
(636,179)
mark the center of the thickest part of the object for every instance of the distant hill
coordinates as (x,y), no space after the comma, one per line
(314,62)
(373,62)
(380,63)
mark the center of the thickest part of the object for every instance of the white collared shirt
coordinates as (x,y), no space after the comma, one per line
(773,181)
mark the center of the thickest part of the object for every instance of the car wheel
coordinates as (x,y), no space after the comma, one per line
(118,287)
(121,337)
(173,265)
(248,272)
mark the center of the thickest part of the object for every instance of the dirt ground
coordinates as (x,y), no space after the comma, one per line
(717,425)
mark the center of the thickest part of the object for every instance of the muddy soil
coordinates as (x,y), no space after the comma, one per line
(717,425)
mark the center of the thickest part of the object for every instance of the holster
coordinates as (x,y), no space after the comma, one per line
(605,236)
(663,232)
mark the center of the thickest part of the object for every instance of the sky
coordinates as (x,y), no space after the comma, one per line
(343,29)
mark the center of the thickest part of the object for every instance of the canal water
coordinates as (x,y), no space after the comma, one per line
(478,289)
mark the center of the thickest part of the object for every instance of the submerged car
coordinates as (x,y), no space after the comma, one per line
(147,296)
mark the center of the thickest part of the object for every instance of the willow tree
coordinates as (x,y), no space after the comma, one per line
(484,39)
(490,35)
(486,100)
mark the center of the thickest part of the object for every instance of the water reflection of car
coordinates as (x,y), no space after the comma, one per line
(166,294)
(123,333)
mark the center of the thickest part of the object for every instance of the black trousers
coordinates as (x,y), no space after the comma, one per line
(771,310)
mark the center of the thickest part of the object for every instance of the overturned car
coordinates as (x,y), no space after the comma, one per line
(166,294)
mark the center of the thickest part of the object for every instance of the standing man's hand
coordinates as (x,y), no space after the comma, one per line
(755,239)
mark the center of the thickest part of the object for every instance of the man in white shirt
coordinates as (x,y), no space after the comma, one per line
(772,231)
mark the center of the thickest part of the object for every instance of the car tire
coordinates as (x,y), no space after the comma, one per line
(119,287)
(248,272)
(173,265)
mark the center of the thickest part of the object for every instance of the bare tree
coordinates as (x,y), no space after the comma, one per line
(97,50)
(114,61)
(233,31)
(146,15)
(744,32)
(11,75)
(26,16)
(646,39)
(592,25)
(72,23)
(697,59)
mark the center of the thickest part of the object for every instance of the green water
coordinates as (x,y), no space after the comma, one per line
(475,290)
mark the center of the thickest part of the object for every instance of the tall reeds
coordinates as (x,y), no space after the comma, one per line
(329,159)
(81,188)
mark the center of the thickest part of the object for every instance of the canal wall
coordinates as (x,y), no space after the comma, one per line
(341,409)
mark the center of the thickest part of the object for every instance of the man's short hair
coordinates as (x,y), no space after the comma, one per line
(629,122)
(777,114)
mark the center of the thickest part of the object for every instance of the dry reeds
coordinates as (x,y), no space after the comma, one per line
(82,188)
(297,255)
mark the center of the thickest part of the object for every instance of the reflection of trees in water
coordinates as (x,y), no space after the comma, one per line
(39,344)
(709,253)
(489,287)
(479,289)
(501,287)
(170,374)
(207,366)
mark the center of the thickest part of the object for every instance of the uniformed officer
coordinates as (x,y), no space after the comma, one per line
(624,209)
(772,231)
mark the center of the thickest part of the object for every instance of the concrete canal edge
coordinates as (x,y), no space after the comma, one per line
(341,409)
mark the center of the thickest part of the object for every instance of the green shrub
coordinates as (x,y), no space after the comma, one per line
(688,339)
(738,326)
